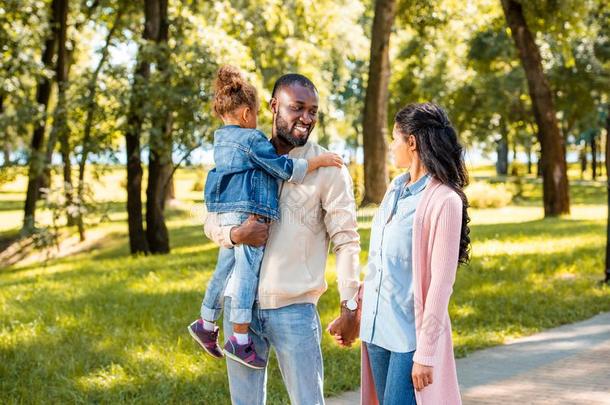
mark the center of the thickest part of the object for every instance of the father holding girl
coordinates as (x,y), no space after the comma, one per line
(313,212)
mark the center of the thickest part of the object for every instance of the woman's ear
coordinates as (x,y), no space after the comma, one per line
(412,143)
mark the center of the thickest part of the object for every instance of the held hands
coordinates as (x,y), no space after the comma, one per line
(328,159)
(346,328)
(421,375)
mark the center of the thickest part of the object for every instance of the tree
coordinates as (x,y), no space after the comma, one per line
(375,116)
(160,157)
(556,198)
(135,118)
(607,277)
(495,97)
(60,130)
(43,92)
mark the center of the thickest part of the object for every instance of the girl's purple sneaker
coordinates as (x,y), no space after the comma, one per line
(206,339)
(245,354)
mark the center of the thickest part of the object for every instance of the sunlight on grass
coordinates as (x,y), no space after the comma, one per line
(532,245)
(105,378)
(102,326)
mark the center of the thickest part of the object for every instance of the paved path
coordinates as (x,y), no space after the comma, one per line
(566,365)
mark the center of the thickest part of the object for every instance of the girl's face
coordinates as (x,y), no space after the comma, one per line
(403,148)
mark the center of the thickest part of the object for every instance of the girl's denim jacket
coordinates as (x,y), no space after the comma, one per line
(247,171)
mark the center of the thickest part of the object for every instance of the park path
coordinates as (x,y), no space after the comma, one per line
(565,365)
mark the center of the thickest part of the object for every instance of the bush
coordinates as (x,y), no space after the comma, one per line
(485,195)
(8,174)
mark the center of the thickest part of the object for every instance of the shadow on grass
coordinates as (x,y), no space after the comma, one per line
(111,328)
(116,345)
(11,205)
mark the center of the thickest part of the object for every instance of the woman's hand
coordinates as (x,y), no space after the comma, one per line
(422,376)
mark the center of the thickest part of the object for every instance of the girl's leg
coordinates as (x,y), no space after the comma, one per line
(214,294)
(379,359)
(245,283)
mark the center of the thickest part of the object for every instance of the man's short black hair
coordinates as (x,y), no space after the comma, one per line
(290,79)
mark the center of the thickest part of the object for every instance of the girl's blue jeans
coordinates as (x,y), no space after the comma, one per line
(243,263)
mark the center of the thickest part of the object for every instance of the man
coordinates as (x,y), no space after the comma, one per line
(320,210)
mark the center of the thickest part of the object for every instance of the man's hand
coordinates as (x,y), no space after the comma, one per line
(421,375)
(346,328)
(250,232)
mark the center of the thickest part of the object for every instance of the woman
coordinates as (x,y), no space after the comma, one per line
(418,237)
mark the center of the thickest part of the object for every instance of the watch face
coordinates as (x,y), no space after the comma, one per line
(351,305)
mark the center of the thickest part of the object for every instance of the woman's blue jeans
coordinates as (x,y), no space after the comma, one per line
(392,375)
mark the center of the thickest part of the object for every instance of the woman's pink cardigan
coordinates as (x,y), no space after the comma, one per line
(436,241)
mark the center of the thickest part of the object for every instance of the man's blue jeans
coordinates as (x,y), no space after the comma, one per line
(392,375)
(244,263)
(295,333)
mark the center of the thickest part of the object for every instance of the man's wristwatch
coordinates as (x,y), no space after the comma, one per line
(351,304)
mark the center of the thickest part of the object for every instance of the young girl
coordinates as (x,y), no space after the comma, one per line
(244,182)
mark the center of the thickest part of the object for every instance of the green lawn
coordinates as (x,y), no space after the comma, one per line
(105,327)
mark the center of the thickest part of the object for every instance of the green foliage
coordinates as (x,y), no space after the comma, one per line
(9,174)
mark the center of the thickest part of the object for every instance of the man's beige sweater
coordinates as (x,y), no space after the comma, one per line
(312,214)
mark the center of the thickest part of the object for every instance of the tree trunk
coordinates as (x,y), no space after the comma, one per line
(593,157)
(554,169)
(6,146)
(607,159)
(170,190)
(160,157)
(60,131)
(137,237)
(502,152)
(43,92)
(159,172)
(583,159)
(528,152)
(513,164)
(375,121)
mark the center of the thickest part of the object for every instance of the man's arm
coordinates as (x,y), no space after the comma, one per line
(341,224)
(251,232)
(340,220)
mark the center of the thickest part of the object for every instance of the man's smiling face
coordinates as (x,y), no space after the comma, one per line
(296,113)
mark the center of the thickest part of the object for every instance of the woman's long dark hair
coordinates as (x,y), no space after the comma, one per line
(441,153)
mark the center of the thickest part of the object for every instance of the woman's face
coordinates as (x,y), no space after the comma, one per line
(402,148)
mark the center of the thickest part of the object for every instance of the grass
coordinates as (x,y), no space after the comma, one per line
(104,327)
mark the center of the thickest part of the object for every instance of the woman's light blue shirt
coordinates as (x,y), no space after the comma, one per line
(388,317)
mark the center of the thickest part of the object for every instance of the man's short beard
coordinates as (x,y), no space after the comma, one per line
(283,131)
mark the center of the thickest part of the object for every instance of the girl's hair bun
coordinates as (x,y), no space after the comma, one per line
(231,91)
(229,78)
